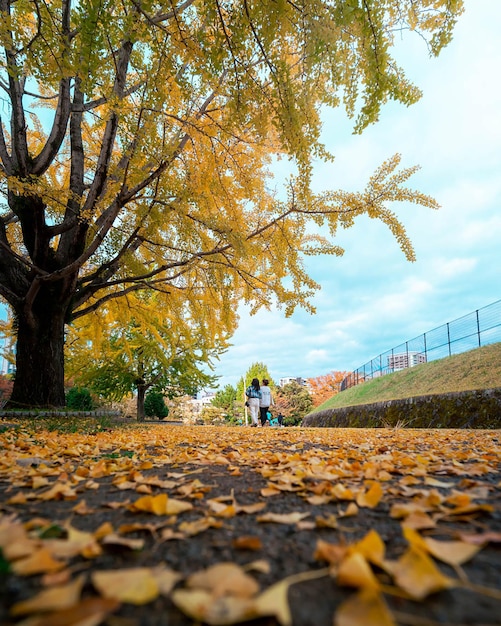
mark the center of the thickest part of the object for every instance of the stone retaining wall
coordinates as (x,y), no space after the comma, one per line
(466,409)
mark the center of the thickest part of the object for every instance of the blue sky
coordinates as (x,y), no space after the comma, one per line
(372,299)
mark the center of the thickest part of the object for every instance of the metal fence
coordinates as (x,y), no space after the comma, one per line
(474,330)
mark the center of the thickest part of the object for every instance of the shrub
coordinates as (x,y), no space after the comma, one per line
(154,405)
(79,399)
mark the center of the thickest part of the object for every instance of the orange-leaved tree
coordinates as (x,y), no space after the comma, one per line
(135,144)
(325,386)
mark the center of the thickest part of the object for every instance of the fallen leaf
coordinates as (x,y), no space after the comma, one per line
(166,578)
(342,493)
(134,586)
(274,600)
(117,540)
(481,538)
(354,571)
(161,505)
(199,526)
(366,608)
(371,498)
(331,552)
(351,510)
(267,492)
(415,573)
(52,599)
(451,552)
(88,612)
(40,562)
(418,520)
(326,522)
(371,547)
(202,606)
(224,579)
(82,509)
(247,542)
(282,518)
(433,482)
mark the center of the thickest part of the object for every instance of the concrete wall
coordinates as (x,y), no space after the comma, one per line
(466,409)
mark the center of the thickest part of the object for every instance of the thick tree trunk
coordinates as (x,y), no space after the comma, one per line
(141,393)
(39,378)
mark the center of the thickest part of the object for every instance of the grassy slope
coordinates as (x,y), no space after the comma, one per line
(476,369)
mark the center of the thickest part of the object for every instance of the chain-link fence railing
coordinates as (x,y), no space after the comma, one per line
(474,330)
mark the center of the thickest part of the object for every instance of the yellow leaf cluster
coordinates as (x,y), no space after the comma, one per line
(415,482)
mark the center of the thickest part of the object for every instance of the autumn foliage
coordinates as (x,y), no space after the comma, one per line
(110,522)
(136,148)
(325,386)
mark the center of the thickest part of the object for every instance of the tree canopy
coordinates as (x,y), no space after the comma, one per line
(135,147)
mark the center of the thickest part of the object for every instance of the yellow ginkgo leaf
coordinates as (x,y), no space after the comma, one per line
(267,492)
(326,522)
(342,493)
(371,498)
(202,606)
(355,571)
(105,529)
(52,599)
(88,612)
(224,579)
(414,538)
(366,608)
(371,547)
(199,525)
(282,518)
(451,552)
(351,510)
(166,578)
(114,539)
(250,509)
(40,562)
(274,600)
(331,552)
(175,507)
(152,504)
(135,586)
(416,574)
(419,520)
(220,509)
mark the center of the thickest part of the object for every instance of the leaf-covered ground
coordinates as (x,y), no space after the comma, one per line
(171,525)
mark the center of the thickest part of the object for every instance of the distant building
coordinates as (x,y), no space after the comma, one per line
(202,400)
(293,379)
(405,359)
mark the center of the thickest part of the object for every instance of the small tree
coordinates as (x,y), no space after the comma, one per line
(154,405)
(133,359)
(211,415)
(226,399)
(294,402)
(256,370)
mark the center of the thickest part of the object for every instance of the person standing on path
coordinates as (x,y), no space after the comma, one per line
(253,393)
(266,401)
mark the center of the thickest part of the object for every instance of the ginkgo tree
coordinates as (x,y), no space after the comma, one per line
(135,146)
(153,350)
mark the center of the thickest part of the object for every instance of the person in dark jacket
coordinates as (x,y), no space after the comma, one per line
(253,393)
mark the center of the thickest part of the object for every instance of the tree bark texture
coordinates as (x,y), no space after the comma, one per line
(39,379)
